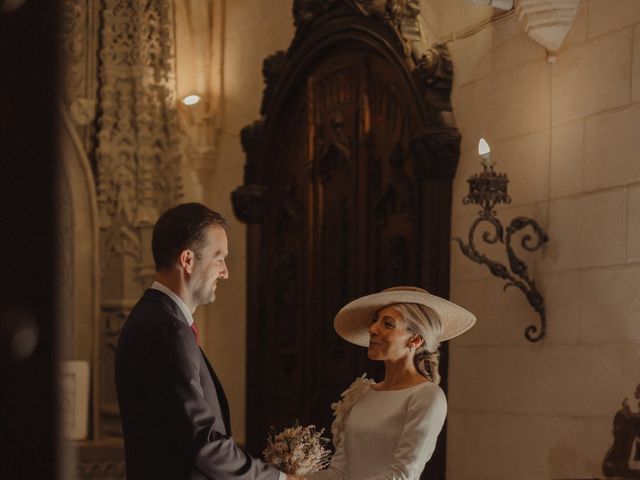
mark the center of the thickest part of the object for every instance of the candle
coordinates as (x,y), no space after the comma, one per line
(485,152)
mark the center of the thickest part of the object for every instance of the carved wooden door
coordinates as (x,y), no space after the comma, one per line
(347,191)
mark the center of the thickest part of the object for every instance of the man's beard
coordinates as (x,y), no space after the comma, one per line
(203,294)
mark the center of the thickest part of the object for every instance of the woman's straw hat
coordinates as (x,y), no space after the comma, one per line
(353,320)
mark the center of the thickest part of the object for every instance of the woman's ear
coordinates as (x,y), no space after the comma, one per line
(417,341)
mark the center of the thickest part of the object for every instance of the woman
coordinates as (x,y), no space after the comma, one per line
(388,430)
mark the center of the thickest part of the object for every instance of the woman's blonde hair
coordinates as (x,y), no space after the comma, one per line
(422,320)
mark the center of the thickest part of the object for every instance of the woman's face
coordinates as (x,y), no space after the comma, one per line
(389,337)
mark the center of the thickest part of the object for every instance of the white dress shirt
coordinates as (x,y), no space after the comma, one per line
(176,298)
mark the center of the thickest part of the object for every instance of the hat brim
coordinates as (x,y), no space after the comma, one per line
(353,320)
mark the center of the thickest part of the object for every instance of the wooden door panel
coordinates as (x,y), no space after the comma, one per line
(347,191)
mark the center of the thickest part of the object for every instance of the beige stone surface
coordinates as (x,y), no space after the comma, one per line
(449,16)
(554,380)
(531,447)
(612,144)
(586,231)
(567,159)
(512,46)
(589,454)
(472,58)
(501,321)
(492,379)
(606,16)
(592,77)
(610,305)
(579,27)
(525,160)
(255,30)
(471,295)
(524,443)
(504,105)
(633,232)
(583,380)
(561,293)
(504,30)
(635,75)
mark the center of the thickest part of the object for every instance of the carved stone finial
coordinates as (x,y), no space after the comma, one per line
(548,22)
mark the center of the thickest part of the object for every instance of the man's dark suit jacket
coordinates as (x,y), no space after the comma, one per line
(175,416)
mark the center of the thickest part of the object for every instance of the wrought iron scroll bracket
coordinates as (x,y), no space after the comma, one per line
(517,274)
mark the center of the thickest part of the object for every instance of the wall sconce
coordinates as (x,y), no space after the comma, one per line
(192,106)
(487,189)
(198,122)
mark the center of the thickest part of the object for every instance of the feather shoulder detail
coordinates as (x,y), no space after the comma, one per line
(342,407)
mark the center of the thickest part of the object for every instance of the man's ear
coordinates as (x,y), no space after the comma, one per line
(185,260)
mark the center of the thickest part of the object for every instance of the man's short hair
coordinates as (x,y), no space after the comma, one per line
(179,228)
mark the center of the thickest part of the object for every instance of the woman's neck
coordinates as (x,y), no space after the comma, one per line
(400,374)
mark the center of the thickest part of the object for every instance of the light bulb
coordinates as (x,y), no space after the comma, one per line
(191,100)
(483,148)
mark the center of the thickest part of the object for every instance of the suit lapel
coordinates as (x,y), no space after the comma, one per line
(158,296)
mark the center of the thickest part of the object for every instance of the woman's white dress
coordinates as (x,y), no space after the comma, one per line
(384,434)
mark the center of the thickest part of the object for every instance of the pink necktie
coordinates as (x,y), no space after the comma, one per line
(196,332)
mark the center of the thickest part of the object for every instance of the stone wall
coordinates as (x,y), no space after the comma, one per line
(567,136)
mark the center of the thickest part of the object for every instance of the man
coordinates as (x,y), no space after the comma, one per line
(175,416)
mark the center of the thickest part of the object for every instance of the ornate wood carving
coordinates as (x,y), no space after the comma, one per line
(435,154)
(271,69)
(347,191)
(249,200)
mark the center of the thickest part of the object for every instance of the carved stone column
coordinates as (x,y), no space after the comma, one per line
(138,167)
(120,143)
